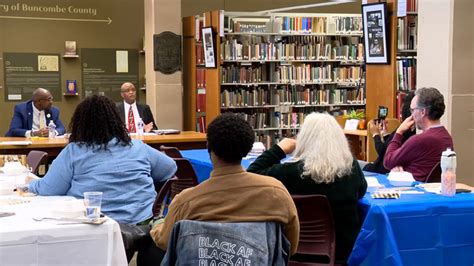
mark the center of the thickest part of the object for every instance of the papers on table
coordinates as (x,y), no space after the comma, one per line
(373,184)
(16,142)
(167,131)
(400,179)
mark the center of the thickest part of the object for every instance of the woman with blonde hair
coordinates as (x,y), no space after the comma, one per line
(322,164)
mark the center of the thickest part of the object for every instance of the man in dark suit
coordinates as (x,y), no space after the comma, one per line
(32,118)
(131,111)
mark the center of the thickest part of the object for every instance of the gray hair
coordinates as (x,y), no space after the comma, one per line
(323,147)
(432,100)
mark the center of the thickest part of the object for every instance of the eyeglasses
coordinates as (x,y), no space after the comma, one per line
(412,110)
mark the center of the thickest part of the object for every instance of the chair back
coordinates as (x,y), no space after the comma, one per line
(392,124)
(435,174)
(186,176)
(163,198)
(172,152)
(35,158)
(233,243)
(317,232)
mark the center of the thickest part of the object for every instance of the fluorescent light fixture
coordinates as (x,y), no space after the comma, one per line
(328,3)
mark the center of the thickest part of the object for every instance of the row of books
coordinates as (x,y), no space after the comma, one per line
(299,74)
(200,77)
(406,72)
(233,50)
(199,53)
(407,33)
(412,5)
(341,24)
(201,124)
(290,95)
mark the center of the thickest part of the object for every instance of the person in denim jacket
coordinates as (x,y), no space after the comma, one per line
(209,243)
(231,194)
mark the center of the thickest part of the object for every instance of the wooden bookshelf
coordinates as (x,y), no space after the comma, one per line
(216,85)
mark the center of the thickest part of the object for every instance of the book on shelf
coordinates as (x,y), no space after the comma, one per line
(407,28)
(406,72)
(412,5)
(201,100)
(201,124)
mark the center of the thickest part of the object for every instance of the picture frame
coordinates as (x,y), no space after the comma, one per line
(208,45)
(374,19)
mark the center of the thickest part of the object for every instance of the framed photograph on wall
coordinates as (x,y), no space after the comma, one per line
(209,52)
(374,17)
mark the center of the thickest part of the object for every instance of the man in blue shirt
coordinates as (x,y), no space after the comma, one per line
(32,118)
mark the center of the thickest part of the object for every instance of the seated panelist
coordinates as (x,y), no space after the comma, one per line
(131,111)
(101,156)
(32,118)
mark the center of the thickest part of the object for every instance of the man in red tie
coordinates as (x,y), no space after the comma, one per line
(131,111)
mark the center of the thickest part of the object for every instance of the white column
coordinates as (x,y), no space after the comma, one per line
(164,93)
(446,62)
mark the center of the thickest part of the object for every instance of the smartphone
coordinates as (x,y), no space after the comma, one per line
(382,113)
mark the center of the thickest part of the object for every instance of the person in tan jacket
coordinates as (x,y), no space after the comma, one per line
(231,194)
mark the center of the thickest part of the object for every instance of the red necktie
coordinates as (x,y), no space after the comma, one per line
(131,121)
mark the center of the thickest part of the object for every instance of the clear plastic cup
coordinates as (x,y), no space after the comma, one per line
(92,203)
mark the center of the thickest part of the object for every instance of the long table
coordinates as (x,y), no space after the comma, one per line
(185,140)
(416,229)
(24,241)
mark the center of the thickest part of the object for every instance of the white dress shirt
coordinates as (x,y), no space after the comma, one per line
(136,115)
(38,116)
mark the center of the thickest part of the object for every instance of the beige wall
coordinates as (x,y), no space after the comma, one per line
(462,100)
(48,36)
(445,61)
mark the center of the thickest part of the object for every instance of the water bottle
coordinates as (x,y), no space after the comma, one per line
(52,130)
(448,174)
(140,126)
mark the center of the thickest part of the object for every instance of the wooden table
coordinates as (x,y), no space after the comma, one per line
(184,141)
(357,142)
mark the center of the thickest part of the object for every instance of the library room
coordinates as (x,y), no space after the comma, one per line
(219,132)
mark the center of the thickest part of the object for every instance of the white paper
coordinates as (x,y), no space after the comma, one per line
(221,23)
(373,184)
(48,63)
(351,124)
(13,97)
(122,61)
(401,8)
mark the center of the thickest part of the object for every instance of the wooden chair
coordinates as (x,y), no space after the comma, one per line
(392,124)
(317,242)
(172,152)
(163,198)
(35,158)
(186,176)
(435,174)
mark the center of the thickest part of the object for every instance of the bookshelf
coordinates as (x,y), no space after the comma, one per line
(275,69)
(407,39)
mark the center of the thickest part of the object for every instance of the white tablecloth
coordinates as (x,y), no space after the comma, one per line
(24,241)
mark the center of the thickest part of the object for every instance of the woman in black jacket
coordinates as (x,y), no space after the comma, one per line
(322,164)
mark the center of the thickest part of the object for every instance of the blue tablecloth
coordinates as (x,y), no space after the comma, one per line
(416,229)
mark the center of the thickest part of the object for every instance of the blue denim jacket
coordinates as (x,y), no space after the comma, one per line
(210,243)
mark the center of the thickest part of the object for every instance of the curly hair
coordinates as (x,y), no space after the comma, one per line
(432,100)
(95,122)
(230,137)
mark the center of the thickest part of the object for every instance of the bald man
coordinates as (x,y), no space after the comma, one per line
(32,118)
(131,111)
